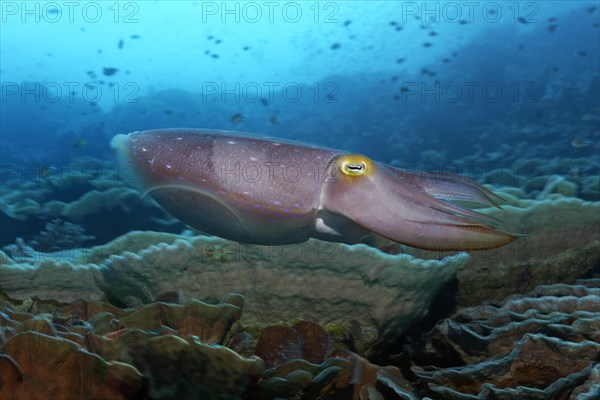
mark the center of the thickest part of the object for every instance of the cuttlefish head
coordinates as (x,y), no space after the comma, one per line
(412,208)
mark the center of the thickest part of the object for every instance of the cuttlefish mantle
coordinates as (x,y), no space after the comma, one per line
(270,191)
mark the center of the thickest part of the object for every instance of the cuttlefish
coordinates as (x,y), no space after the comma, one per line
(270,191)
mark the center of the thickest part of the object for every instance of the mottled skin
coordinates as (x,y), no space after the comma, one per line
(261,190)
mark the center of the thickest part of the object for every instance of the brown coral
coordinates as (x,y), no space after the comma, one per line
(537,346)
(45,366)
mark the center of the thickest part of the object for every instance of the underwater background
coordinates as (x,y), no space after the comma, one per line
(104,294)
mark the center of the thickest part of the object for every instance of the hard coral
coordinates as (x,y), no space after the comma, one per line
(59,235)
(537,346)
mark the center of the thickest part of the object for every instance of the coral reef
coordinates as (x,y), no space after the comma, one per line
(540,177)
(78,192)
(543,345)
(58,235)
(560,243)
(336,285)
(357,293)
(167,351)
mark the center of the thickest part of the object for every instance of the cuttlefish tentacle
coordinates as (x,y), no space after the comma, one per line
(271,191)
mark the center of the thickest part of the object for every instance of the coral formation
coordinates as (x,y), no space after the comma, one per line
(166,351)
(543,345)
(78,192)
(37,365)
(58,235)
(305,321)
(383,294)
(560,243)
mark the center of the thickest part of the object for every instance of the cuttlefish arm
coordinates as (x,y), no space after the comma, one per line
(270,191)
(450,187)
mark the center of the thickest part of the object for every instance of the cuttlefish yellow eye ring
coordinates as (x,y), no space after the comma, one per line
(354,164)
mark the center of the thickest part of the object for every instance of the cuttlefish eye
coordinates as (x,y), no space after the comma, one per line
(354,164)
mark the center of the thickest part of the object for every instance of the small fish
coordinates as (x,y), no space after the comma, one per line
(580,142)
(591,9)
(79,143)
(246,48)
(135,36)
(581,53)
(432,33)
(273,120)
(347,23)
(426,71)
(445,60)
(237,118)
(264,101)
(552,28)
(400,61)
(120,45)
(335,46)
(109,71)
(427,44)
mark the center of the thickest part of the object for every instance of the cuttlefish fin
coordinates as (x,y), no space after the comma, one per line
(201,193)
